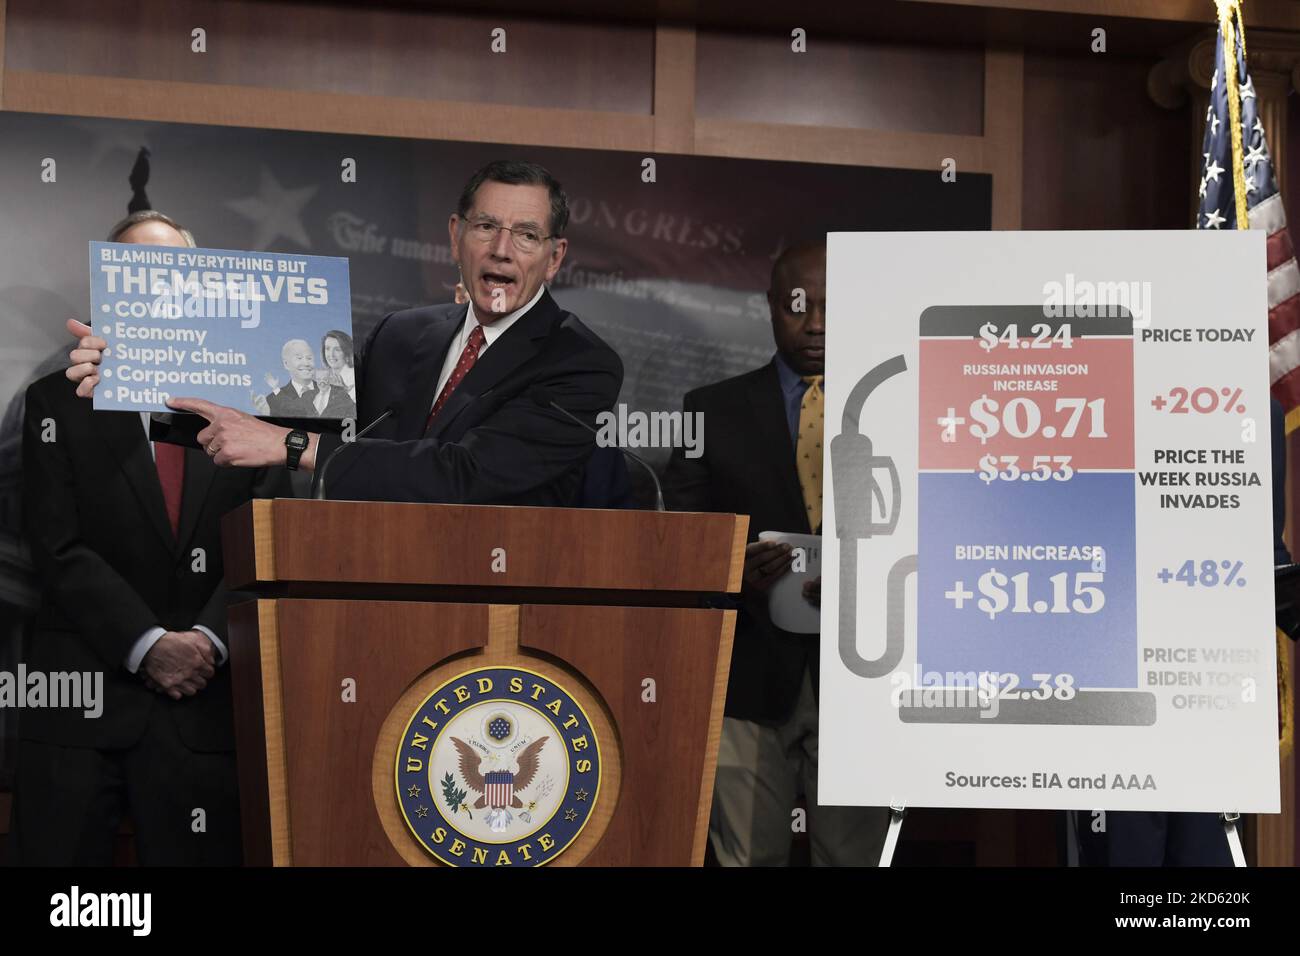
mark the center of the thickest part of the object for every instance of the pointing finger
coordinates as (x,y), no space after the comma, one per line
(200,406)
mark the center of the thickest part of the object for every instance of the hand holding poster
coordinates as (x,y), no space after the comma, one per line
(1047,580)
(266,333)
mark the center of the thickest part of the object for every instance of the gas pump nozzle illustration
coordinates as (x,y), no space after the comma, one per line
(857,490)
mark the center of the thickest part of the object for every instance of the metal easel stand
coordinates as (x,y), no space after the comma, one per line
(896,814)
(1229,820)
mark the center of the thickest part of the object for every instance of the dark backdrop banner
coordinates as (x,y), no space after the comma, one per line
(671,273)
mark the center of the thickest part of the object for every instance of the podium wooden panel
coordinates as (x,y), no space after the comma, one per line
(394,600)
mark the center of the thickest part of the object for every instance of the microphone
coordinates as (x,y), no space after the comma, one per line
(544,397)
(320,476)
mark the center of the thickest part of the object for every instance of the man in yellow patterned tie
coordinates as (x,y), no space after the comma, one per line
(763,458)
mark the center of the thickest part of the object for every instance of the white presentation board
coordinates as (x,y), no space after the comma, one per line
(1048,543)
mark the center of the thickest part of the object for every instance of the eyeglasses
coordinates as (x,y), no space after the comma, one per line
(525,238)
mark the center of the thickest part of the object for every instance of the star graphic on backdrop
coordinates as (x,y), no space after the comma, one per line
(1255,155)
(421,811)
(276,211)
(1259,126)
(1250,184)
(581,795)
(570,814)
(1212,219)
(1202,189)
(1212,171)
(1214,80)
(1248,91)
(412,791)
(1214,126)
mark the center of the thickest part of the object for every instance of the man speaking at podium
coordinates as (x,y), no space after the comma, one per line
(459,384)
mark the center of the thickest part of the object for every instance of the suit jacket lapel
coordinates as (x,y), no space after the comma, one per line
(426,363)
(515,346)
(124,434)
(774,440)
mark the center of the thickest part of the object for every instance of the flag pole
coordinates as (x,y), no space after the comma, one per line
(1230,29)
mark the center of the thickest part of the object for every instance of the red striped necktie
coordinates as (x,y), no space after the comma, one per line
(467,359)
(170,462)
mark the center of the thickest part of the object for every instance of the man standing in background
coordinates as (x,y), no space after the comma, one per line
(125,537)
(763,458)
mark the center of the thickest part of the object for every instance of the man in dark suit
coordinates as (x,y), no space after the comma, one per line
(125,537)
(467,426)
(763,458)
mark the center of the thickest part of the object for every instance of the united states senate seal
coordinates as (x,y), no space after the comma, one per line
(499,766)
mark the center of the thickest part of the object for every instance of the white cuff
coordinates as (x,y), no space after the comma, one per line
(222,653)
(142,647)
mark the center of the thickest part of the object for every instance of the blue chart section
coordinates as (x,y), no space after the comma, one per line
(1091,509)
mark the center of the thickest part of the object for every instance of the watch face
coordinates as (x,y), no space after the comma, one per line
(296,440)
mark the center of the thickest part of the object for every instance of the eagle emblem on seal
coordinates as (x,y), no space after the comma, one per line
(498,789)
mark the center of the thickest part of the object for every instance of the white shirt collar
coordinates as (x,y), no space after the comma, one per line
(494,329)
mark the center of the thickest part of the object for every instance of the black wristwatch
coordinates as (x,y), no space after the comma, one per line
(296,443)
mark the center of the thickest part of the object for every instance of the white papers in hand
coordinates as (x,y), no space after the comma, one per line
(790,610)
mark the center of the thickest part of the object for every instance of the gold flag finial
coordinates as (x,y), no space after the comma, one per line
(1227,7)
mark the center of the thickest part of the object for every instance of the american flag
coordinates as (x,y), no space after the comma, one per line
(1219,193)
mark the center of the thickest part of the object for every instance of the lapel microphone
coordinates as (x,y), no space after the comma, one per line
(319,494)
(545,397)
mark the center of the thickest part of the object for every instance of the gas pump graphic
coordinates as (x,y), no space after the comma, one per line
(853,467)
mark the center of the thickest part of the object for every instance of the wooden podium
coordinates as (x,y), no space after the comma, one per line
(477,685)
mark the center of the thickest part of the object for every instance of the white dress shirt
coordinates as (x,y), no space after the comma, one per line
(491,333)
(149,638)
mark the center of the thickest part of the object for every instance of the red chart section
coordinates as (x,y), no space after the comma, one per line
(1027,402)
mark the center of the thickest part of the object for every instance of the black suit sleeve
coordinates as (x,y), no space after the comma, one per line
(687,481)
(99,601)
(213,615)
(520,447)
